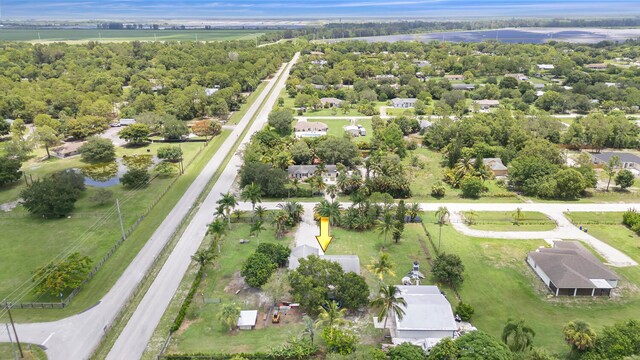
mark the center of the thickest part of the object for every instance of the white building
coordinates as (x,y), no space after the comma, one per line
(428,317)
(248,319)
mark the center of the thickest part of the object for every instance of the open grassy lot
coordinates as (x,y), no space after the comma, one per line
(202,331)
(289,103)
(504,221)
(41,244)
(367,246)
(30,352)
(83,35)
(423,179)
(500,285)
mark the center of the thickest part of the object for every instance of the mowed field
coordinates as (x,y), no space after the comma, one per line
(84,35)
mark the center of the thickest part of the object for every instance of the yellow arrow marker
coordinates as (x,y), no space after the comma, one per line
(324,239)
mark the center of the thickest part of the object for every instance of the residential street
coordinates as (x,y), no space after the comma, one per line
(75,337)
(565,230)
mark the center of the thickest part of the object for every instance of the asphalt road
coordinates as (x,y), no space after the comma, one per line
(565,230)
(77,336)
(134,338)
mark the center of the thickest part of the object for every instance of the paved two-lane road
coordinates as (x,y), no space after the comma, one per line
(77,336)
(134,338)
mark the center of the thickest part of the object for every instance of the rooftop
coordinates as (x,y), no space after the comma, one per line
(349,263)
(248,317)
(570,265)
(624,157)
(427,309)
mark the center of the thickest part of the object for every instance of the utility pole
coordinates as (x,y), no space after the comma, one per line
(6,304)
(124,236)
(181,163)
(13,347)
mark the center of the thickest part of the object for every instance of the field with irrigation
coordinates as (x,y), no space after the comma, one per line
(84,35)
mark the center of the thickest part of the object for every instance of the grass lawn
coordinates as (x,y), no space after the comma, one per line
(80,35)
(42,243)
(202,331)
(504,221)
(611,218)
(30,352)
(336,128)
(289,103)
(423,179)
(367,245)
(499,285)
(397,112)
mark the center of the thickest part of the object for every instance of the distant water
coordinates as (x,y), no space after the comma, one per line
(537,36)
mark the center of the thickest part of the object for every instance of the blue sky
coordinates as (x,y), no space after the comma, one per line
(85,9)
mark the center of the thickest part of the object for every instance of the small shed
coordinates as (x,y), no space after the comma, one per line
(126,122)
(248,319)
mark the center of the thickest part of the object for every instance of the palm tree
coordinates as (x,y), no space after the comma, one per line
(464,166)
(318,183)
(441,215)
(414,211)
(295,182)
(471,217)
(202,257)
(332,191)
(218,229)
(238,214)
(309,327)
(328,209)
(229,315)
(517,335)
(389,302)
(228,202)
(385,224)
(381,266)
(259,212)
(294,210)
(579,335)
(279,222)
(256,228)
(517,216)
(253,193)
(330,315)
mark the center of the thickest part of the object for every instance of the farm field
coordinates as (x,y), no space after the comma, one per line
(84,35)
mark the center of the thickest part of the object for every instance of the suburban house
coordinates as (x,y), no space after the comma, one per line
(126,122)
(454,77)
(68,149)
(247,319)
(487,104)
(570,269)
(546,66)
(403,102)
(385,77)
(425,124)
(303,172)
(519,77)
(319,62)
(352,130)
(330,102)
(428,317)
(422,63)
(211,91)
(463,87)
(628,160)
(310,129)
(349,263)
(496,166)
(598,66)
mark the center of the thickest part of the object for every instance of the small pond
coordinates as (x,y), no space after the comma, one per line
(108,174)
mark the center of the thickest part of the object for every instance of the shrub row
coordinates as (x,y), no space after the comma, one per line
(187,301)
(631,218)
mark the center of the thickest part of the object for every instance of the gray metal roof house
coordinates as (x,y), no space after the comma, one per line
(570,269)
(463,86)
(303,172)
(403,102)
(628,160)
(349,263)
(428,315)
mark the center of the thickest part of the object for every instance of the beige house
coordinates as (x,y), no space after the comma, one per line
(519,77)
(453,77)
(310,129)
(487,104)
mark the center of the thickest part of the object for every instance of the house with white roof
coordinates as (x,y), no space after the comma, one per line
(428,317)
